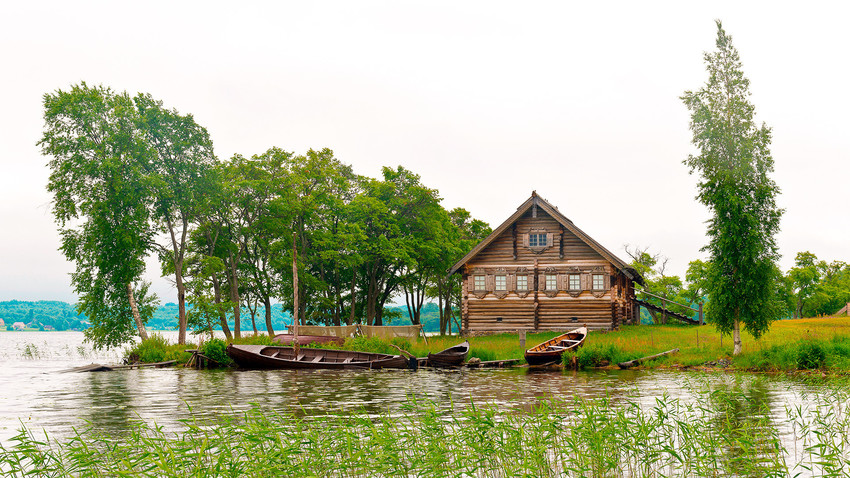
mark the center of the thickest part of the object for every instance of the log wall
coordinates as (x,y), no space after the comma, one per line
(490,311)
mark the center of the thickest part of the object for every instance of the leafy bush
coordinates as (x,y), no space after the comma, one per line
(598,355)
(216,349)
(810,355)
(156,349)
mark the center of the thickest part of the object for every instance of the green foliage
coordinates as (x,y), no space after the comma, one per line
(156,349)
(810,355)
(261,339)
(734,164)
(57,314)
(216,350)
(806,354)
(598,355)
(375,345)
(101,198)
(818,287)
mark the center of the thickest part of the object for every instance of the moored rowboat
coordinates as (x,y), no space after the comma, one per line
(550,351)
(450,357)
(278,357)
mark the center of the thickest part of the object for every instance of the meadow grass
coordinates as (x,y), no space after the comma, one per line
(721,432)
(783,348)
(789,345)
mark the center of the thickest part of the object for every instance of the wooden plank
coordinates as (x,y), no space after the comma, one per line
(632,363)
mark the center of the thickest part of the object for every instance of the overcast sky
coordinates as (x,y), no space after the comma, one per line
(487,101)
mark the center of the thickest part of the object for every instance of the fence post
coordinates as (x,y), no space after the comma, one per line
(521,333)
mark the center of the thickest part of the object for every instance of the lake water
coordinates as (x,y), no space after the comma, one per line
(35,395)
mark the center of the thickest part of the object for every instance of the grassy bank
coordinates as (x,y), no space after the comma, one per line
(157,349)
(822,343)
(721,433)
(803,344)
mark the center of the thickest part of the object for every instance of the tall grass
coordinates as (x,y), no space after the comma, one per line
(157,349)
(721,433)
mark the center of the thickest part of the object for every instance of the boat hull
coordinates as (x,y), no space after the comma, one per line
(550,352)
(451,357)
(278,357)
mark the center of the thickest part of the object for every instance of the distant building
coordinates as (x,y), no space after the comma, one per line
(19,326)
(2,323)
(48,327)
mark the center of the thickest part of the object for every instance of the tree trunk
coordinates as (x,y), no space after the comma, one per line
(221,315)
(447,313)
(442,313)
(737,337)
(253,315)
(353,297)
(234,297)
(143,333)
(295,308)
(371,298)
(267,304)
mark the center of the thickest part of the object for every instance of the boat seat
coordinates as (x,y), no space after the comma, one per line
(317,358)
(300,357)
(555,347)
(347,360)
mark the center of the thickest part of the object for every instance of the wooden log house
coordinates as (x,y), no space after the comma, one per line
(538,271)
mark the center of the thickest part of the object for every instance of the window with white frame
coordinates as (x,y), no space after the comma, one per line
(501,282)
(522,282)
(598,282)
(575,282)
(537,240)
(478,282)
(551,282)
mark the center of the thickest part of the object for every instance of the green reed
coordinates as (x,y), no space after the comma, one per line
(725,432)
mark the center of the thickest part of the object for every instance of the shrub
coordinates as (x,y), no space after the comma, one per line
(156,349)
(598,355)
(216,349)
(810,355)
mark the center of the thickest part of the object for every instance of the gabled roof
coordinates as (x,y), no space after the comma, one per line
(629,271)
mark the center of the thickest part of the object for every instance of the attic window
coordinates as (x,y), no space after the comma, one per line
(537,240)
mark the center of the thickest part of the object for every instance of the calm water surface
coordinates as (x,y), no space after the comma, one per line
(35,395)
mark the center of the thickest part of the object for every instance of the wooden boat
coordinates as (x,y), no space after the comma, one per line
(549,352)
(451,357)
(287,339)
(279,357)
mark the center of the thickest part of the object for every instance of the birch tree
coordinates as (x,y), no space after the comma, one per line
(735,165)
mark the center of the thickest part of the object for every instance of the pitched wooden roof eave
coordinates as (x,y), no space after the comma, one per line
(630,272)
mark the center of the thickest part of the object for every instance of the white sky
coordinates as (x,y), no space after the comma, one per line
(487,101)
